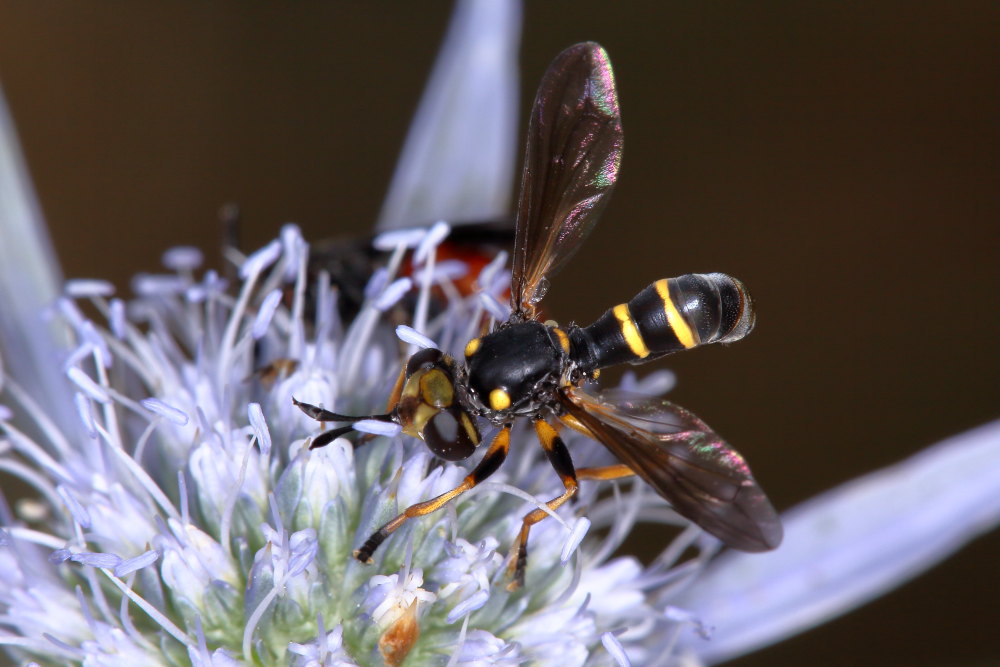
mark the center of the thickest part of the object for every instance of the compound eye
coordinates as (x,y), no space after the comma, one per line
(421,359)
(447,436)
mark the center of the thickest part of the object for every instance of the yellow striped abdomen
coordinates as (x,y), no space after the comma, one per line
(667,316)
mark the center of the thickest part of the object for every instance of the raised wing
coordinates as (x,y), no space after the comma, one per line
(570,166)
(702,477)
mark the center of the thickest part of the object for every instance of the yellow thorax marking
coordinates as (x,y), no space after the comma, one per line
(499,399)
(471,347)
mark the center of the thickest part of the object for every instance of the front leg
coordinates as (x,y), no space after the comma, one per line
(492,459)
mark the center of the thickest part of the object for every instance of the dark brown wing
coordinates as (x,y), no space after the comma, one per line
(570,166)
(676,453)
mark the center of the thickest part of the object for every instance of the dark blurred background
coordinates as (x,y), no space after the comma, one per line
(841,158)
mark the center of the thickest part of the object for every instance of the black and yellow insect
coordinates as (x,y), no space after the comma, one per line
(527,369)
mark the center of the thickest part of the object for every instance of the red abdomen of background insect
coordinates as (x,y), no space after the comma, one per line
(474,256)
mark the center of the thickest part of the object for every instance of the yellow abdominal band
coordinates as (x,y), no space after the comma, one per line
(630,332)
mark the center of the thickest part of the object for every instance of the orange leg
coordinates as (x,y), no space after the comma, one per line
(491,460)
(574,423)
(397,390)
(559,458)
(616,471)
(601,473)
(390,405)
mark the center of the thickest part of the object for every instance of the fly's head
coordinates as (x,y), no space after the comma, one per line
(429,407)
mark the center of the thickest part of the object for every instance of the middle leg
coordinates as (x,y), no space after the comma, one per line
(560,460)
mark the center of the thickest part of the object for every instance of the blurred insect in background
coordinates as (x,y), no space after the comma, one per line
(529,369)
(351,262)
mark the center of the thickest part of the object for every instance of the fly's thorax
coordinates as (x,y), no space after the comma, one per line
(430,410)
(516,369)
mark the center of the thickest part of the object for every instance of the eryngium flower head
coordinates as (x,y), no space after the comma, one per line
(186,518)
(180,518)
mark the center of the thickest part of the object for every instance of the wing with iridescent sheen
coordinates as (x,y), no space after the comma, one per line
(570,166)
(685,461)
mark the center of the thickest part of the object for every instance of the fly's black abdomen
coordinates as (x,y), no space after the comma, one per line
(668,316)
